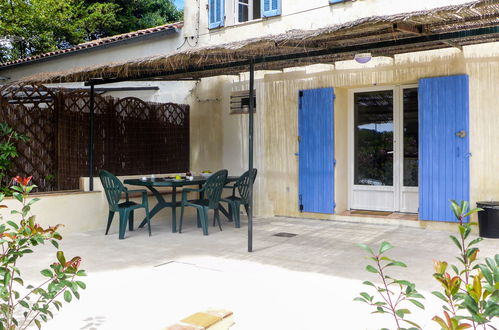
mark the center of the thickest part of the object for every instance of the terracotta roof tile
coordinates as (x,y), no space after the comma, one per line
(99,42)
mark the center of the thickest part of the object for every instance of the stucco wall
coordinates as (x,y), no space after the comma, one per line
(121,51)
(277,114)
(311,14)
(206,126)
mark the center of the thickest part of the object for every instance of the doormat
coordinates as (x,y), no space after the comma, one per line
(285,235)
(363,212)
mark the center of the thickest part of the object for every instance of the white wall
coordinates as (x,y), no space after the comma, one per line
(296,14)
(121,51)
(168,92)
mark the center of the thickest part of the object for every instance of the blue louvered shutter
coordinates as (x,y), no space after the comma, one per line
(443,145)
(270,8)
(336,1)
(216,14)
(316,151)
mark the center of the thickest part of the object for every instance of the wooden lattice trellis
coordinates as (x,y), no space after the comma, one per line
(31,110)
(130,136)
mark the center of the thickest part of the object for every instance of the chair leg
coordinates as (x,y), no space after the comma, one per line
(181,219)
(217,217)
(148,221)
(198,213)
(130,221)
(246,208)
(237,214)
(231,216)
(123,221)
(204,220)
(109,220)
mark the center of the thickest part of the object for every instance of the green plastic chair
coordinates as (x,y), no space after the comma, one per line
(212,190)
(234,202)
(114,189)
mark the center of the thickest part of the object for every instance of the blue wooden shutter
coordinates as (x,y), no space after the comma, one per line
(216,14)
(443,155)
(336,1)
(316,150)
(270,8)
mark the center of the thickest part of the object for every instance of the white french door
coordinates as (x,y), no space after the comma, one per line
(383,148)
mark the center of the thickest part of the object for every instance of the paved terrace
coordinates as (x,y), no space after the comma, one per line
(304,282)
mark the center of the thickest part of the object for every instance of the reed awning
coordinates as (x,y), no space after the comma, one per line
(452,26)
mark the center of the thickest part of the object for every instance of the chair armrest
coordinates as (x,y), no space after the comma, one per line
(136,191)
(233,187)
(142,191)
(185,191)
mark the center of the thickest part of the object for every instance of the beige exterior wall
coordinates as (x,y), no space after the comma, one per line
(276,120)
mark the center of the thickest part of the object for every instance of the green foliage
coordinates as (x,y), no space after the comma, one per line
(31,27)
(135,15)
(8,151)
(35,303)
(470,295)
(394,293)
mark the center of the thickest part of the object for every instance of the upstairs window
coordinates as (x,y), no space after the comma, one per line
(271,8)
(247,10)
(229,12)
(216,14)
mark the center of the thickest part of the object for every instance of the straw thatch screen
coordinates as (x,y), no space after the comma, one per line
(130,136)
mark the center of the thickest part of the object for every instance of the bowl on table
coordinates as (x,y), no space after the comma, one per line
(206,175)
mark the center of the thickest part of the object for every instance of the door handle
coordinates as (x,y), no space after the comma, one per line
(461,134)
(389,152)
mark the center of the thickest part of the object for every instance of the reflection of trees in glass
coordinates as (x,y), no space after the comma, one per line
(374,165)
(411,137)
(410,161)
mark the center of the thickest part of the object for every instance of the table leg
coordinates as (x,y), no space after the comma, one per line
(201,193)
(174,209)
(158,207)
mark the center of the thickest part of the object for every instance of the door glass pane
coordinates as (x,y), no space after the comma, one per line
(411,137)
(373,138)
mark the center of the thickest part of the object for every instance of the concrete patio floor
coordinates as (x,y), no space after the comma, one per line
(304,282)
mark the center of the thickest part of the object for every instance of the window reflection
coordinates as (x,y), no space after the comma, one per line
(411,137)
(373,138)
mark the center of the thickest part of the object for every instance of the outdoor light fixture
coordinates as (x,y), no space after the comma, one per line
(362,57)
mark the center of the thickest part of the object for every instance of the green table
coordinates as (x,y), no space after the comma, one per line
(153,183)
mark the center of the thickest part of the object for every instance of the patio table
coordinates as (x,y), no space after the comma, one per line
(153,183)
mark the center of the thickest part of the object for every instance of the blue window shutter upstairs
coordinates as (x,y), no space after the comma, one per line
(271,8)
(443,150)
(216,14)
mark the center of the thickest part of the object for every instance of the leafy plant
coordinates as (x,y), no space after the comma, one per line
(471,294)
(394,293)
(8,152)
(34,303)
(474,287)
